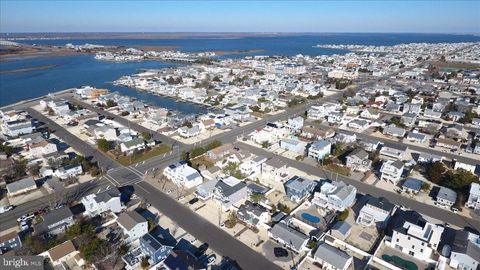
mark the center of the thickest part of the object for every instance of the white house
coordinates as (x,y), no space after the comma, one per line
(474,197)
(183,175)
(252,167)
(68,171)
(133,225)
(392,171)
(332,258)
(376,211)
(39,149)
(336,195)
(416,237)
(96,204)
(129,147)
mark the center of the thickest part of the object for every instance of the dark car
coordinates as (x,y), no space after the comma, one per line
(201,249)
(193,201)
(280,252)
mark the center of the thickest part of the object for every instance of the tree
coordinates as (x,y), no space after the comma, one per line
(265,144)
(232,170)
(435,172)
(151,223)
(459,179)
(256,197)
(184,155)
(110,103)
(122,249)
(344,215)
(73,231)
(426,186)
(34,170)
(338,149)
(214,144)
(103,145)
(146,136)
(93,249)
(19,168)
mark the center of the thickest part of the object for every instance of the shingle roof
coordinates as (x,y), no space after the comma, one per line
(332,256)
(21,185)
(128,220)
(289,235)
(62,250)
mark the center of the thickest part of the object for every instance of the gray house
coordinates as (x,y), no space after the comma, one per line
(464,253)
(230,190)
(10,241)
(332,258)
(55,222)
(288,236)
(358,160)
(446,197)
(298,188)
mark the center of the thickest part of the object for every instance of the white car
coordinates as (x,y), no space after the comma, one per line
(4,209)
(211,259)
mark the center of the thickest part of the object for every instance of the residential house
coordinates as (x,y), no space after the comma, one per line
(332,258)
(474,197)
(275,169)
(133,145)
(336,195)
(394,131)
(429,113)
(183,175)
(67,171)
(369,145)
(289,237)
(317,133)
(448,143)
(345,137)
(341,230)
(412,185)
(392,171)
(252,167)
(415,236)
(376,211)
(42,148)
(358,160)
(99,203)
(188,132)
(446,197)
(205,191)
(157,245)
(409,119)
(292,144)
(417,137)
(55,222)
(9,241)
(295,124)
(298,188)
(106,132)
(60,254)
(179,259)
(359,124)
(229,191)
(253,214)
(465,254)
(396,151)
(21,186)
(370,113)
(220,152)
(133,225)
(239,112)
(16,128)
(469,167)
(319,149)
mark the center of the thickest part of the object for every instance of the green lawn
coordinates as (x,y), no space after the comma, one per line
(157,150)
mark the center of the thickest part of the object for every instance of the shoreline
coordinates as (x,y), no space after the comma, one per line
(12,71)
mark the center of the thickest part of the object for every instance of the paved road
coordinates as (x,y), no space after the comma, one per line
(429,210)
(204,230)
(81,146)
(127,123)
(416,148)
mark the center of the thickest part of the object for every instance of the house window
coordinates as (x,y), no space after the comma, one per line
(408,238)
(411,253)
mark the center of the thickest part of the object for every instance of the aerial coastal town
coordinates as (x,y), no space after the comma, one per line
(363,160)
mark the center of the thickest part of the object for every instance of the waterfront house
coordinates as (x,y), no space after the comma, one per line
(358,160)
(21,186)
(376,211)
(336,195)
(99,203)
(55,222)
(446,197)
(319,149)
(288,236)
(16,128)
(392,171)
(133,225)
(229,191)
(182,174)
(298,188)
(330,257)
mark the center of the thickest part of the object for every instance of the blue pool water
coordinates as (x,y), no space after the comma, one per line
(310,218)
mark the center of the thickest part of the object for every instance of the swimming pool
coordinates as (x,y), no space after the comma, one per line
(310,218)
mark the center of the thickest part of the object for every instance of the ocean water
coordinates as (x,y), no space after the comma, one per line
(78,70)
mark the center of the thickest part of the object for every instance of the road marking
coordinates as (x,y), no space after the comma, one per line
(112,180)
(135,171)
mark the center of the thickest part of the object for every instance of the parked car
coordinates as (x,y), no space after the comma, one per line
(193,201)
(280,252)
(211,259)
(201,249)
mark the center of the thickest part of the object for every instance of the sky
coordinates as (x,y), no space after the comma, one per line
(240,16)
